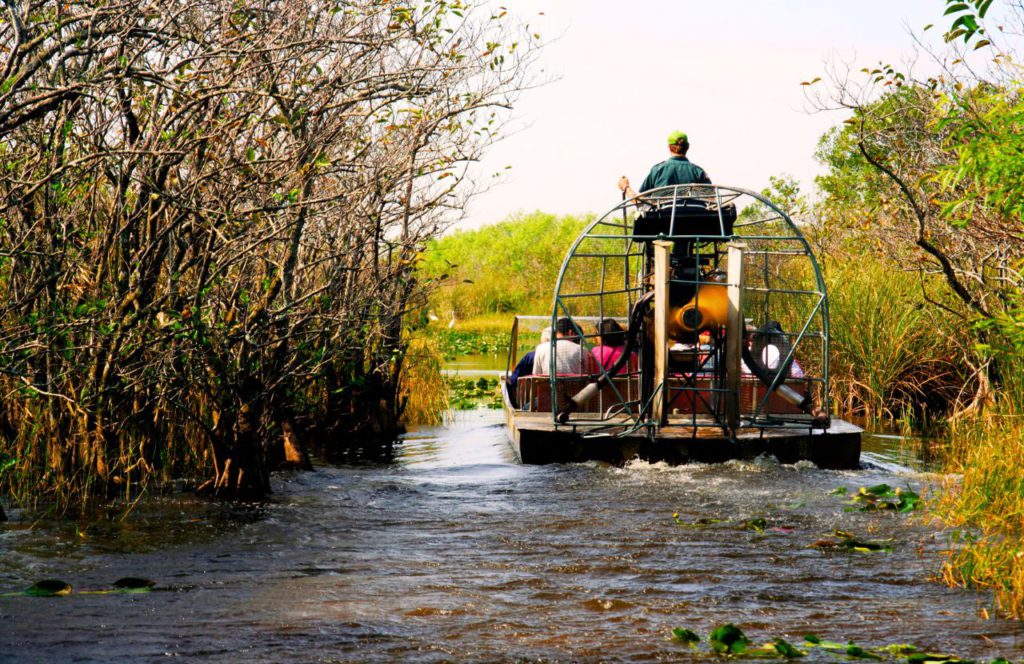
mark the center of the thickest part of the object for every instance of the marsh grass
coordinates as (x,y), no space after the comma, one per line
(893,357)
(982,500)
(492,323)
(424,390)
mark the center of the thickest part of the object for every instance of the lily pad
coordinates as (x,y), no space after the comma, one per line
(882,497)
(899,649)
(818,642)
(49,588)
(767,651)
(757,524)
(132,584)
(927,657)
(786,649)
(853,650)
(702,522)
(849,542)
(685,635)
(728,638)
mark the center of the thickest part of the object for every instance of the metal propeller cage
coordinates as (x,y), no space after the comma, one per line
(608,269)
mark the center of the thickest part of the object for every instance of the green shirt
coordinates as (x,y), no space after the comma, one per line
(674,170)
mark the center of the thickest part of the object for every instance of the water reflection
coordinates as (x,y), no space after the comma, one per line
(452,552)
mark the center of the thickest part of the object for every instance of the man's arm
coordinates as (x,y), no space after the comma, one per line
(627,191)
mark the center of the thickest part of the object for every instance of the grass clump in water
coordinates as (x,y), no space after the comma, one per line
(423,387)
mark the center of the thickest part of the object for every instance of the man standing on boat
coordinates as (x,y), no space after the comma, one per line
(677,169)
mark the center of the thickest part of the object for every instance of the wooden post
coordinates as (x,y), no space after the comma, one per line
(513,351)
(662,255)
(734,335)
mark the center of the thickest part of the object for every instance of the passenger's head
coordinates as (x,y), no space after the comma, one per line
(611,333)
(545,335)
(772,333)
(678,143)
(564,329)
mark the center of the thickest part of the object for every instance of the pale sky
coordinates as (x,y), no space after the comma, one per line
(727,72)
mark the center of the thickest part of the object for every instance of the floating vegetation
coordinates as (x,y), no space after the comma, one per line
(728,639)
(757,524)
(702,522)
(912,653)
(845,541)
(132,584)
(58,588)
(786,649)
(48,588)
(455,343)
(882,497)
(936,658)
(898,649)
(471,394)
(685,635)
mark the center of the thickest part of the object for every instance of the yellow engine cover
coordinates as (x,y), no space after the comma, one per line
(708,309)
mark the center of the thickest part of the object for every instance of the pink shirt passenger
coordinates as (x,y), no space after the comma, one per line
(606,356)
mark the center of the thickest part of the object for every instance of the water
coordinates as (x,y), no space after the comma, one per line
(453,552)
(475,366)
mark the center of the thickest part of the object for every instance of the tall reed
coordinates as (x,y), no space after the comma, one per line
(424,391)
(983,500)
(891,352)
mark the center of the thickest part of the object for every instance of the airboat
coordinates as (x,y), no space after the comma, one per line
(725,340)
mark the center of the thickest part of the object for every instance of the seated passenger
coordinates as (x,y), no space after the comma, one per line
(570,357)
(525,367)
(613,339)
(770,353)
(770,358)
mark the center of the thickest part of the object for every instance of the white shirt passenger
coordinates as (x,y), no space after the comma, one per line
(570,358)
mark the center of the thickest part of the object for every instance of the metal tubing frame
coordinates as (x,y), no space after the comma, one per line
(633,251)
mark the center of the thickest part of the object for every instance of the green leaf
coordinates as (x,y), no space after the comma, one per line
(728,638)
(967,22)
(49,588)
(954,8)
(818,642)
(898,649)
(757,524)
(685,635)
(133,584)
(853,650)
(925,657)
(786,649)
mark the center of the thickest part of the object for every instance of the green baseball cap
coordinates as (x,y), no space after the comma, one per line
(678,137)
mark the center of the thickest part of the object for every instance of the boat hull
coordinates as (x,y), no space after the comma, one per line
(536,439)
